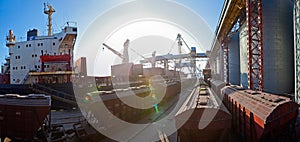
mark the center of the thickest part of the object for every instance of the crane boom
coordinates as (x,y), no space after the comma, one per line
(150,60)
(124,56)
(141,55)
(114,51)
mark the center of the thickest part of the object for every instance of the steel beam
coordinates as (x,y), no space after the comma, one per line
(297,49)
(255,44)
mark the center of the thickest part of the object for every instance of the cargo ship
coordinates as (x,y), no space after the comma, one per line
(42,63)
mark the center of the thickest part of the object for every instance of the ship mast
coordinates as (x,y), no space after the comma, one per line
(10,39)
(49,12)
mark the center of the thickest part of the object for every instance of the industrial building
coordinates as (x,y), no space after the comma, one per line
(257,46)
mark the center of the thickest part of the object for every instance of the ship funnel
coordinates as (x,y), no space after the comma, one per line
(49,12)
(10,39)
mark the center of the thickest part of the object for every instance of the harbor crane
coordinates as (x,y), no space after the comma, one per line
(124,56)
(191,56)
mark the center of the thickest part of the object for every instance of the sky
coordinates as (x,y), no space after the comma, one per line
(21,15)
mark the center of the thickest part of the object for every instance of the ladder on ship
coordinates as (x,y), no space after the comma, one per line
(55,94)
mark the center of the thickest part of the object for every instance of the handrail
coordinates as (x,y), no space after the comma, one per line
(52,91)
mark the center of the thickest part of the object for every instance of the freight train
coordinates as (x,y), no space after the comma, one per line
(260,116)
(22,116)
(256,115)
(202,117)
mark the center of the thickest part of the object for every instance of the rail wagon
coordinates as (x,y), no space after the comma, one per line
(202,118)
(22,116)
(259,116)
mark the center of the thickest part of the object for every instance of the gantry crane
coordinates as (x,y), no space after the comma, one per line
(165,58)
(124,56)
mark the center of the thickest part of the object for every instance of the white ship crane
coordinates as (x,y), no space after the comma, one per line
(124,56)
(150,60)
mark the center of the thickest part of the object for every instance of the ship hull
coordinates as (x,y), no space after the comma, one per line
(127,113)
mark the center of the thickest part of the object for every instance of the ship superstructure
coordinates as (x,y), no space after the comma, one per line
(41,59)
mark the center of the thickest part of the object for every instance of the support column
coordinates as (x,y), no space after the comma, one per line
(255,44)
(226,61)
(165,67)
(297,49)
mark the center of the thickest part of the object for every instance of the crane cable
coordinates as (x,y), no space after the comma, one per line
(186,44)
(175,41)
(172,47)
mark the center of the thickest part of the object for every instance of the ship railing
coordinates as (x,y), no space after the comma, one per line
(69,24)
(54,92)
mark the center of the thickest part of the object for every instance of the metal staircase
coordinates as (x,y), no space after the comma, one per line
(25,78)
